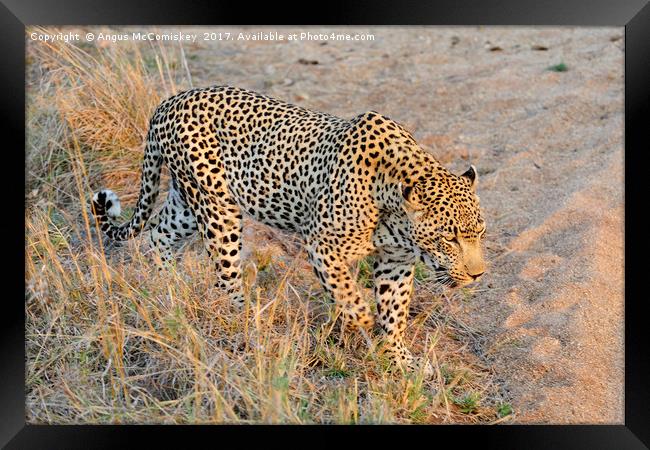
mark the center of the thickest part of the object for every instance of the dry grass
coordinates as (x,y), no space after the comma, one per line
(103,99)
(109,340)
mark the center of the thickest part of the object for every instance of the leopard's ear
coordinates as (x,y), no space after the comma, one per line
(407,191)
(411,198)
(471,177)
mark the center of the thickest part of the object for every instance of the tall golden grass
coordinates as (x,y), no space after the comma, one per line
(111,340)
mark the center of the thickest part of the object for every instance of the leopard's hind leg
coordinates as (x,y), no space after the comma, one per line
(219,221)
(174,223)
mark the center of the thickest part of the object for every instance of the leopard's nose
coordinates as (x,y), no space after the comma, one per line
(476,275)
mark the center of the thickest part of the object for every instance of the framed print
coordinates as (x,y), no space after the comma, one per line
(380,216)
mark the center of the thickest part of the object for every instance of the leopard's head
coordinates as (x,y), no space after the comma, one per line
(447,225)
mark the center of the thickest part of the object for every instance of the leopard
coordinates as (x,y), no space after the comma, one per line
(348,188)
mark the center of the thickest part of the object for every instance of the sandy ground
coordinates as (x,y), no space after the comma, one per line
(549,149)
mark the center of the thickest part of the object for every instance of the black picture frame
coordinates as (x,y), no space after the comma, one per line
(634,15)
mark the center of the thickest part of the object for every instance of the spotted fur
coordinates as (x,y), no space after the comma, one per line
(350,188)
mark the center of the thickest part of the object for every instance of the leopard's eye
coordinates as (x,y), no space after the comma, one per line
(450,239)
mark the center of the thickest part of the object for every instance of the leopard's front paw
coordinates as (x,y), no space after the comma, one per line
(421,365)
(400,357)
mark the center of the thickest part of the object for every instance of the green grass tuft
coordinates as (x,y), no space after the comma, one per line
(422,273)
(365,277)
(561,67)
(505,409)
(468,402)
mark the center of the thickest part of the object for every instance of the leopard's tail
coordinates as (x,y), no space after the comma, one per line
(106,205)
